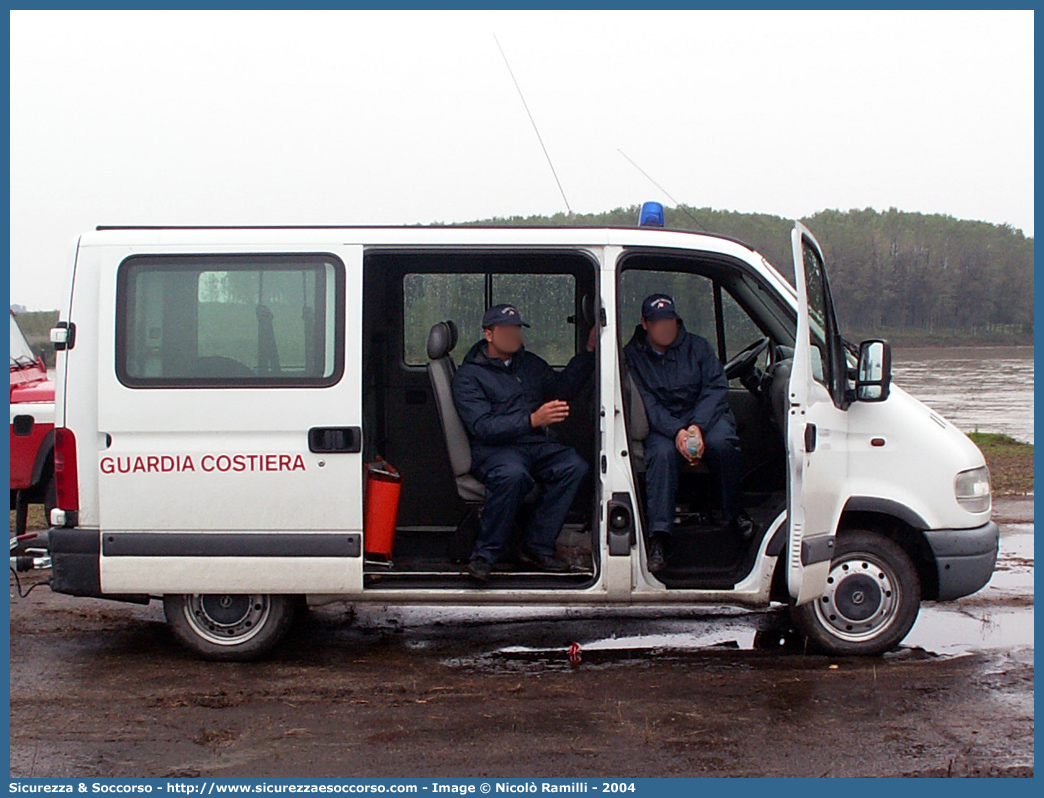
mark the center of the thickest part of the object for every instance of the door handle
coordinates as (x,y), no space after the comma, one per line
(810,438)
(329,440)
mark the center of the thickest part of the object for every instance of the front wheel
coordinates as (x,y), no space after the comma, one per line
(871,602)
(229,627)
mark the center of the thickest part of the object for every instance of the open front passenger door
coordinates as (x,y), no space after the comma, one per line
(817,449)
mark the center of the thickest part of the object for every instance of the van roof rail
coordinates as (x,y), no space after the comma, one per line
(103,227)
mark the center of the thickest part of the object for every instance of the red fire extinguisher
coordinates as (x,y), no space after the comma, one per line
(381,509)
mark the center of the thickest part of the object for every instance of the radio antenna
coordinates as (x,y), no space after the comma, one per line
(533,122)
(665,191)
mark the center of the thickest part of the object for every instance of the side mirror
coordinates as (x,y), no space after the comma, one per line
(874,376)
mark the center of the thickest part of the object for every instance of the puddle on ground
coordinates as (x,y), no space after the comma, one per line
(940,631)
(732,642)
(949,630)
(1012,580)
(723,635)
(999,617)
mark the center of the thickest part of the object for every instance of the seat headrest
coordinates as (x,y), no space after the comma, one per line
(441,339)
(587,311)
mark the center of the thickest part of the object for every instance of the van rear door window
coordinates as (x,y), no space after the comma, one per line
(428,298)
(545,302)
(230,321)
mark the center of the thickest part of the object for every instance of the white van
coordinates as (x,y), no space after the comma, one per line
(221,392)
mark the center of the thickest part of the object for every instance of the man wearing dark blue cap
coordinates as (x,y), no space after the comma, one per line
(507,398)
(685,394)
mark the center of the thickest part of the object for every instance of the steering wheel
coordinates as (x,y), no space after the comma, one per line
(743,363)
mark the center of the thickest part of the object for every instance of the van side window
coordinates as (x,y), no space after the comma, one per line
(817,316)
(428,298)
(230,321)
(545,301)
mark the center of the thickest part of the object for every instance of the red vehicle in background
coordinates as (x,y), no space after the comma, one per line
(32,431)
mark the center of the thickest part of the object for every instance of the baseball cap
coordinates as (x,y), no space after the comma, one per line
(658,306)
(503,314)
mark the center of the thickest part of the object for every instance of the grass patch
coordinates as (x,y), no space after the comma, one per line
(1010,462)
(36,519)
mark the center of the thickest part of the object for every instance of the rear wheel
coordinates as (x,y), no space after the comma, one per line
(229,626)
(20,504)
(50,498)
(872,598)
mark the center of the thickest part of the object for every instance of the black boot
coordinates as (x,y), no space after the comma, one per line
(744,526)
(543,562)
(657,553)
(479,570)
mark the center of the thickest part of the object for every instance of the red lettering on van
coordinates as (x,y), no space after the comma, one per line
(222,463)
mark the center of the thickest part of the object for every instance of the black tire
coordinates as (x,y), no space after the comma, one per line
(229,627)
(21,511)
(872,599)
(50,498)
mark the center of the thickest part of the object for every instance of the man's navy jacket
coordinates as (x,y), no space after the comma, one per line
(683,386)
(495,400)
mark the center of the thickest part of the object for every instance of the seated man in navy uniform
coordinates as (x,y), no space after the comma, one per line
(684,390)
(507,398)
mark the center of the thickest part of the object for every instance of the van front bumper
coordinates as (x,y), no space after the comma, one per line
(965,558)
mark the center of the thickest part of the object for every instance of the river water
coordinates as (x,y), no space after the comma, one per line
(988,388)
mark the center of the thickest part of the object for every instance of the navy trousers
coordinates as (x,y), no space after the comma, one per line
(662,461)
(509,473)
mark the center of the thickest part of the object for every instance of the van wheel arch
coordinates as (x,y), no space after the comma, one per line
(43,465)
(872,600)
(909,538)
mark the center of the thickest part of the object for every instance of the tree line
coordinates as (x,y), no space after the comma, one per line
(910,277)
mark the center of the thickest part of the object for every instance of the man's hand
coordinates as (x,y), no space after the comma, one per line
(592,339)
(549,413)
(681,443)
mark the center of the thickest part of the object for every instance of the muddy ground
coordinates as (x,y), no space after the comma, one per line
(101,689)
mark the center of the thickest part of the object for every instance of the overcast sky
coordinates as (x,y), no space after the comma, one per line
(358,117)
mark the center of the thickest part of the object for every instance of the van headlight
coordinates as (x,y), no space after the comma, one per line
(972,489)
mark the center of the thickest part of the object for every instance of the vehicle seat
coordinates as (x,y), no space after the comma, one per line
(441,368)
(637,421)
(638,426)
(778,385)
